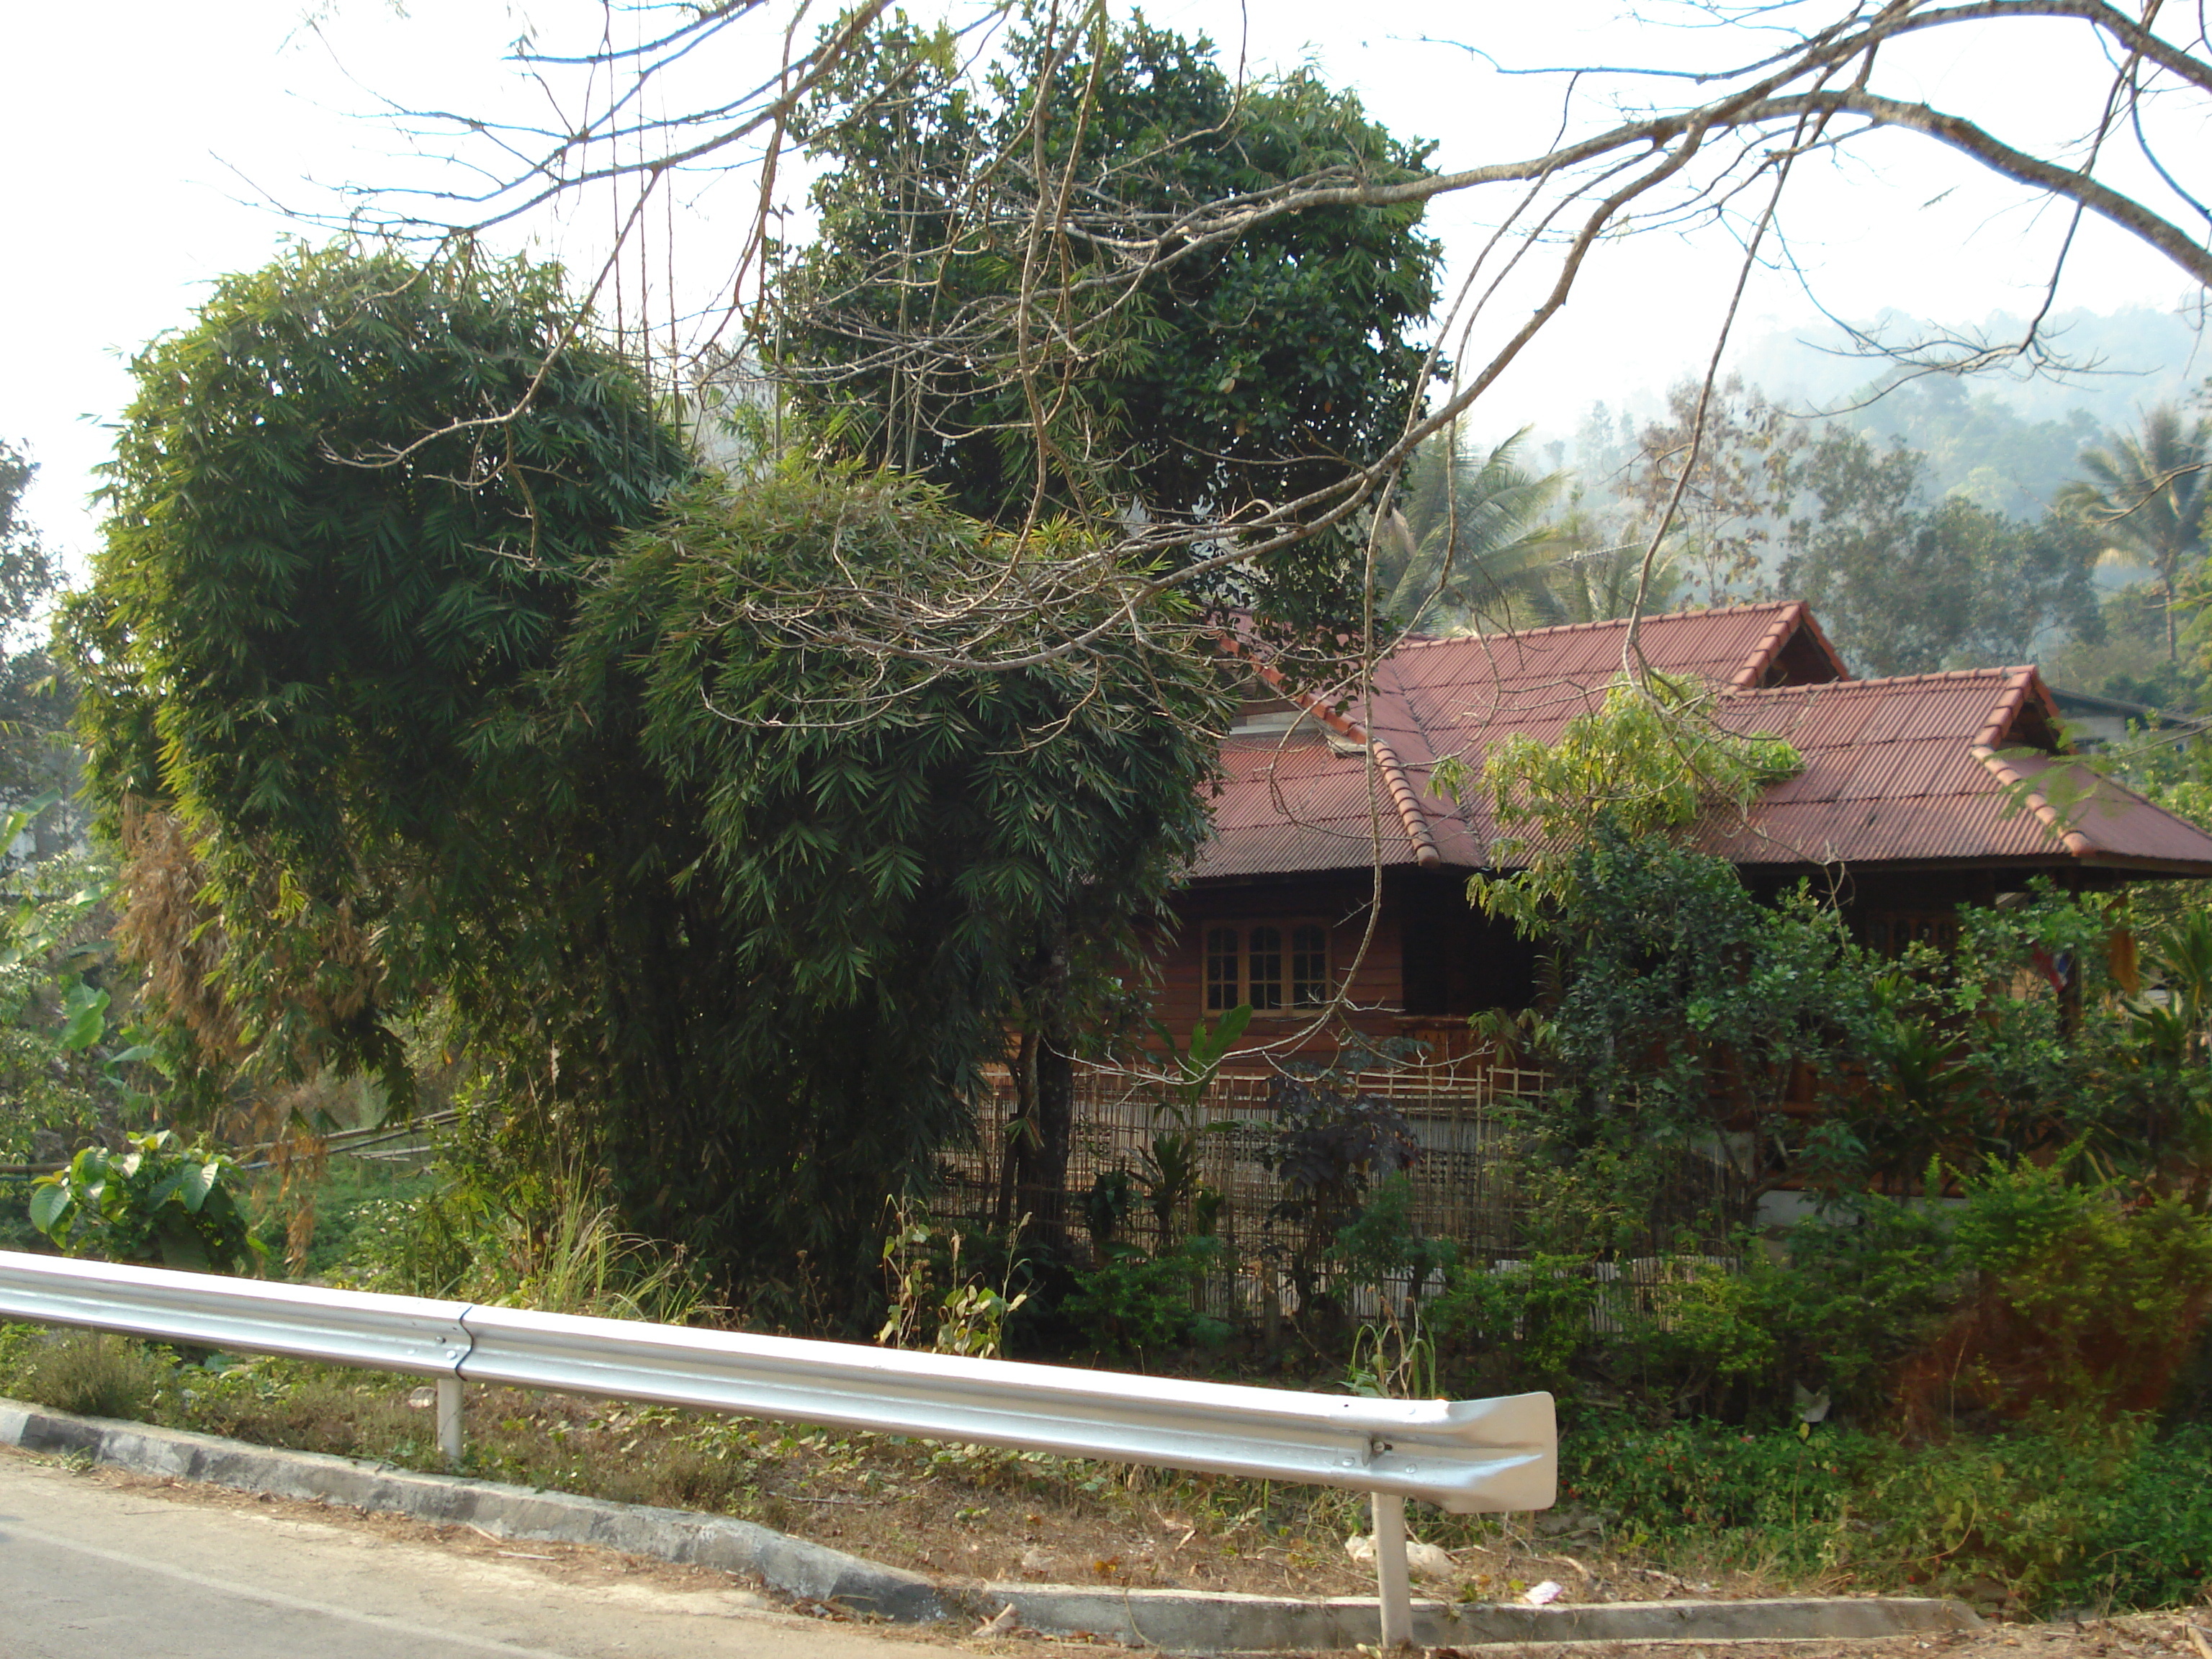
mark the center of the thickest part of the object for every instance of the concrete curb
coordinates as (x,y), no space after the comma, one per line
(790,1565)
(1188,1621)
(1177,1621)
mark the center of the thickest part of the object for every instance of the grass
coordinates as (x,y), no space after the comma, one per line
(92,1373)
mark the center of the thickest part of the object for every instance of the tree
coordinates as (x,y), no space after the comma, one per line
(2146,491)
(1167,399)
(1600,583)
(351,508)
(1906,586)
(1469,544)
(1648,147)
(864,863)
(1716,474)
(35,754)
(1187,384)
(438,701)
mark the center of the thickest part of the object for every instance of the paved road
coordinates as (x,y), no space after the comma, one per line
(98,1567)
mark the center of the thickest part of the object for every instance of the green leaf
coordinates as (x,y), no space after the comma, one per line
(84,1017)
(196,1181)
(50,1201)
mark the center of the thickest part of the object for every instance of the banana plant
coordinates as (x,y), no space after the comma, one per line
(1173,1163)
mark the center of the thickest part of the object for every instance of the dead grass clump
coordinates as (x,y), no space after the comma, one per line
(92,1374)
(311,1410)
(691,1477)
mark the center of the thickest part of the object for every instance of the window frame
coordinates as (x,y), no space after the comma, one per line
(1279,964)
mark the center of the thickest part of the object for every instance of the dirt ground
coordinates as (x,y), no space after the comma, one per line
(2144,1636)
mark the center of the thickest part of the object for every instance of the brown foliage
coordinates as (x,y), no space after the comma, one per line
(168,929)
(323,967)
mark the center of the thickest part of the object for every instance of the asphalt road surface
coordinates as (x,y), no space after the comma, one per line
(117,1567)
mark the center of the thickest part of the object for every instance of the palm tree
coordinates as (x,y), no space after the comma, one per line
(1469,540)
(2147,491)
(1598,584)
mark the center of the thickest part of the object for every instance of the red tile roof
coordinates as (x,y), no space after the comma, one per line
(1901,771)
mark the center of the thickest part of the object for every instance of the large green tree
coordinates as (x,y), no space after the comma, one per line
(420,682)
(352,507)
(1000,296)
(826,882)
(1907,586)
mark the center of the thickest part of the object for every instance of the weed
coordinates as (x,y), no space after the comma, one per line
(1145,1303)
(91,1373)
(558,1250)
(934,1294)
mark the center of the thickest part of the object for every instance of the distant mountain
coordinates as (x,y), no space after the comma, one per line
(2130,358)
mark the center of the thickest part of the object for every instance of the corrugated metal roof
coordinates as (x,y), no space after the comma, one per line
(1897,770)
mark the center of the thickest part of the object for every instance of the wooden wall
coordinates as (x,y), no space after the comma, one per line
(1429,959)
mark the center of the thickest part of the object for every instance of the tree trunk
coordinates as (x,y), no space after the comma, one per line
(1020,1127)
(1040,1152)
(2166,573)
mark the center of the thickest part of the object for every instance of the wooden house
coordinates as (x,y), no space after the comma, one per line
(1334,865)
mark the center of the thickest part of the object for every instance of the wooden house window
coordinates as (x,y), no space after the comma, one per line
(1270,965)
(1263,968)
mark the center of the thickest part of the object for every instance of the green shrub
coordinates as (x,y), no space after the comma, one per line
(2017,1516)
(2081,1302)
(2156,1548)
(161,1201)
(2071,1511)
(1865,1283)
(1782,1494)
(1529,1320)
(1132,1301)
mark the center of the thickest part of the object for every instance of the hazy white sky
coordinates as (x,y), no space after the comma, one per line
(148,135)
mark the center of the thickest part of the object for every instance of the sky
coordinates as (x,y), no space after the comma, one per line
(152,156)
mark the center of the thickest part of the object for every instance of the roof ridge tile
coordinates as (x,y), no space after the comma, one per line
(1421,641)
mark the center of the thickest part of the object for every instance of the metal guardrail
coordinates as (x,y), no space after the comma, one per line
(1467,1456)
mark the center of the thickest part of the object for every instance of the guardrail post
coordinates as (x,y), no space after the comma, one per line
(449,1418)
(1393,1593)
